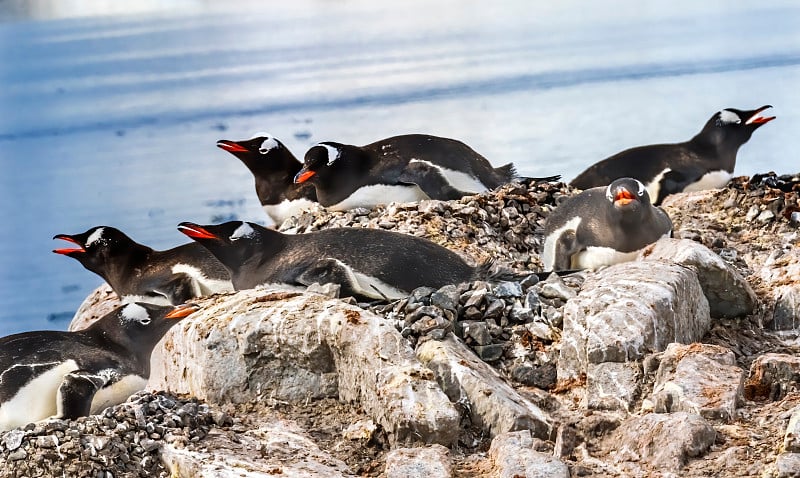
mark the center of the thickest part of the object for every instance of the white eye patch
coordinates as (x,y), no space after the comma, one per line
(609,194)
(333,152)
(245,230)
(641,187)
(135,312)
(729,117)
(268,145)
(95,236)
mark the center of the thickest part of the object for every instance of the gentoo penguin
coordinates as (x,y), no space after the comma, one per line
(139,273)
(56,374)
(368,263)
(602,226)
(704,162)
(405,168)
(273,167)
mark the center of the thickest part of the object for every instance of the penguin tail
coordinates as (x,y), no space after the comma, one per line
(492,271)
(507,172)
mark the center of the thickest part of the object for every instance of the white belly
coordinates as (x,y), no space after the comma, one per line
(710,180)
(286,209)
(371,196)
(117,392)
(36,400)
(203,285)
(366,285)
(595,257)
(457,179)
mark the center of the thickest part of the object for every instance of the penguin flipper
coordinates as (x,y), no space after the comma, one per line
(179,289)
(566,246)
(330,271)
(76,392)
(430,180)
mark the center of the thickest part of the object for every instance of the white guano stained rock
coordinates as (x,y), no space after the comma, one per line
(728,293)
(513,456)
(791,439)
(663,441)
(424,462)
(698,378)
(493,404)
(613,385)
(263,343)
(277,451)
(629,310)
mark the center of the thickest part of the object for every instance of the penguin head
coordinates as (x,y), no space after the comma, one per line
(324,160)
(141,325)
(263,153)
(627,194)
(731,128)
(233,243)
(97,246)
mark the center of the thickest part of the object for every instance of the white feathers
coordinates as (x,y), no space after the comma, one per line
(594,257)
(654,186)
(641,187)
(457,179)
(369,286)
(549,253)
(116,392)
(95,236)
(268,145)
(333,152)
(245,230)
(729,117)
(286,209)
(710,180)
(37,399)
(135,312)
(371,196)
(609,194)
(202,285)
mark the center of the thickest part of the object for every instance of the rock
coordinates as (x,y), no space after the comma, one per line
(542,376)
(277,451)
(788,465)
(493,405)
(629,310)
(772,376)
(781,280)
(13,439)
(698,378)
(508,289)
(665,441)
(513,456)
(612,385)
(489,353)
(100,302)
(265,342)
(477,331)
(728,293)
(791,439)
(554,288)
(428,462)
(566,440)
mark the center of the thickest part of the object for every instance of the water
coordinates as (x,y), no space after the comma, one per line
(110,116)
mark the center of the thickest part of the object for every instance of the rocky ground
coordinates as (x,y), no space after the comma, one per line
(582,375)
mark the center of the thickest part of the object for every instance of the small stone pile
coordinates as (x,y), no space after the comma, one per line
(122,441)
(505,224)
(507,324)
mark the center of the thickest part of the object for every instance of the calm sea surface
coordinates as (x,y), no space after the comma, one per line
(109,113)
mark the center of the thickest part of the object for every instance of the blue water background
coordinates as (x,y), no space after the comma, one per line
(109,112)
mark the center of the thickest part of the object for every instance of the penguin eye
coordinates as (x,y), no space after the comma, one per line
(145,321)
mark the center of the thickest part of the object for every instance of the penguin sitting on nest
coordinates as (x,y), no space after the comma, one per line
(405,168)
(139,273)
(603,226)
(366,263)
(55,374)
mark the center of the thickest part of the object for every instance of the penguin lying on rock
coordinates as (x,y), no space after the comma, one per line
(602,226)
(273,167)
(139,273)
(367,263)
(704,162)
(55,374)
(405,168)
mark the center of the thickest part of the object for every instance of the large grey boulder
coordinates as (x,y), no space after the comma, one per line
(772,376)
(262,343)
(663,441)
(629,310)
(513,456)
(698,378)
(493,404)
(781,277)
(424,462)
(728,293)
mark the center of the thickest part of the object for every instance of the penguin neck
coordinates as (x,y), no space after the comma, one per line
(137,349)
(119,272)
(713,147)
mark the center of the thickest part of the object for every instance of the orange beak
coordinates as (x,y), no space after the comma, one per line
(194,231)
(303,176)
(623,197)
(181,311)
